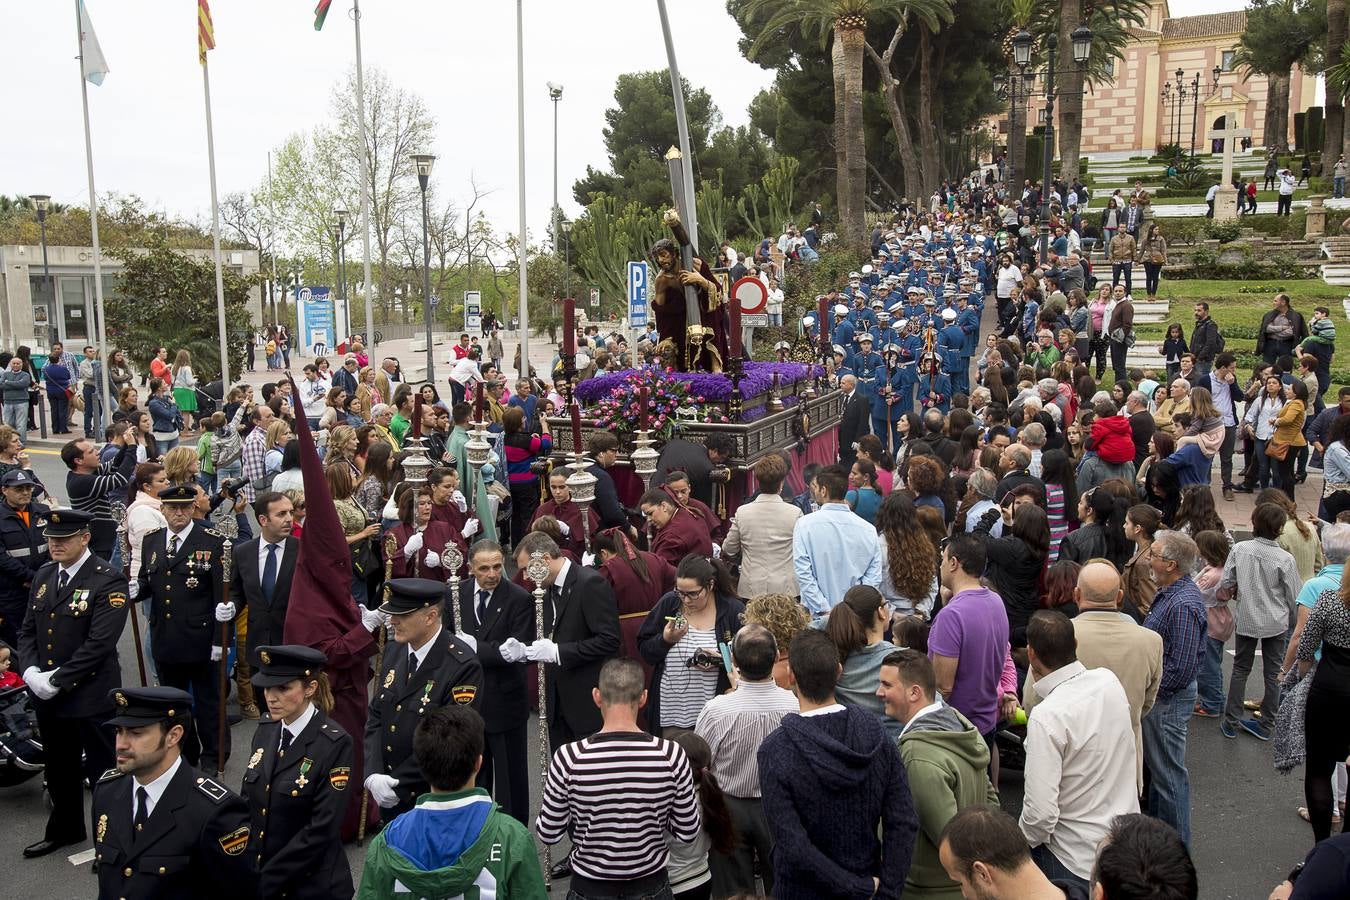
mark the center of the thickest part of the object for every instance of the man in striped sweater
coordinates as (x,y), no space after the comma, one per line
(618,793)
(90,484)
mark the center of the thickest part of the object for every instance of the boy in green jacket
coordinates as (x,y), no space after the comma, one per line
(455,842)
(945,759)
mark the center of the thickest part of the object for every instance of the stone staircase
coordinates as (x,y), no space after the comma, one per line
(1336,270)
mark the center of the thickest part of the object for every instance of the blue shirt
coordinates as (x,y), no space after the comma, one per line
(833,550)
(1178,615)
(864,502)
(1328,578)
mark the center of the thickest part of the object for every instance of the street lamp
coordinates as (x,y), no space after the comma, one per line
(341,213)
(1022,42)
(566,226)
(555,94)
(42,202)
(422,163)
(1082,44)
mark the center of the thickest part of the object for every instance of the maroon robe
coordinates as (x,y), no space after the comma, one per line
(570,513)
(449,514)
(636,597)
(434,538)
(668,305)
(700,510)
(685,533)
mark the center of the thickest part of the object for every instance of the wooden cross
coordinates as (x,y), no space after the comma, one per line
(1225,202)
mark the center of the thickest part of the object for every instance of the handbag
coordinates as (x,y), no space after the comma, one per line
(1277,449)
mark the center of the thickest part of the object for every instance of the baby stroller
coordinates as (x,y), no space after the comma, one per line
(209,399)
(21,754)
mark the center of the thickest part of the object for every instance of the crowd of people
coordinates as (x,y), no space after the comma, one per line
(808,693)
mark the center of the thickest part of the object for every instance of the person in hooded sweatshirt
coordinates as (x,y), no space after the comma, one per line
(1111,446)
(831,782)
(946,761)
(456,838)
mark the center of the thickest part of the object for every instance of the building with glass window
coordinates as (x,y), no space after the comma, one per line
(60,305)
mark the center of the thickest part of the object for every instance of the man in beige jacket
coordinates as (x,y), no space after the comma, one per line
(761,534)
(1109,639)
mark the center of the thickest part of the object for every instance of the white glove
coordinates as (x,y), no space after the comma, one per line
(216,653)
(717,550)
(414,544)
(224,612)
(433,559)
(40,683)
(458,497)
(370,620)
(470,640)
(542,650)
(381,787)
(134,590)
(471,528)
(564,528)
(588,558)
(512,650)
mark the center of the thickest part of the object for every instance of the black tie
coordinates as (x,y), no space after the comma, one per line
(412,665)
(482,605)
(173,545)
(285,741)
(142,807)
(62,580)
(550,610)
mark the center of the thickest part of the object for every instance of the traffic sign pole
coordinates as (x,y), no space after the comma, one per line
(637,303)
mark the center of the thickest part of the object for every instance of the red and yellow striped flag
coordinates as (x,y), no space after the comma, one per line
(206,36)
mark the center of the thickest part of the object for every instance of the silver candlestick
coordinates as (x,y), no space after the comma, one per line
(582,485)
(477,451)
(644,457)
(537,571)
(417,462)
(451,560)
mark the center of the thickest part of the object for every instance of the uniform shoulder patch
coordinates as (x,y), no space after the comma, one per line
(110,775)
(464,693)
(339,777)
(234,843)
(216,791)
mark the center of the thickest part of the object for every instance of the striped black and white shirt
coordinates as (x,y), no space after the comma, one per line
(618,794)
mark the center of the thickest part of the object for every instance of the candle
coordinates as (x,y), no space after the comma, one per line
(822,321)
(569,327)
(478,404)
(576,427)
(417,416)
(734,329)
(642,409)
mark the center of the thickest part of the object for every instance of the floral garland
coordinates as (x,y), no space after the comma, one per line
(612,399)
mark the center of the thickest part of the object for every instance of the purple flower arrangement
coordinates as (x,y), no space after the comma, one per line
(612,399)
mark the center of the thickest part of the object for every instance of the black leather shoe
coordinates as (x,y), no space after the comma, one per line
(43,847)
(562,869)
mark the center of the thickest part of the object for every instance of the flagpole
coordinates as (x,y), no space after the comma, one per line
(523,250)
(215,232)
(365,187)
(272,241)
(101,336)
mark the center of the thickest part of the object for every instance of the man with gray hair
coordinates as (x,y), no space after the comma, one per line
(1336,548)
(981,487)
(1178,616)
(1142,425)
(1032,436)
(734,725)
(1015,463)
(1048,389)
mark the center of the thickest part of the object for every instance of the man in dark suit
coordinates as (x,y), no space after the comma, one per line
(182,578)
(345,377)
(581,631)
(164,829)
(604,449)
(498,622)
(1142,424)
(428,667)
(68,657)
(853,420)
(261,582)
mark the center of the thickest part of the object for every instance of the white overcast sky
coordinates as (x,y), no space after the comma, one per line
(272,75)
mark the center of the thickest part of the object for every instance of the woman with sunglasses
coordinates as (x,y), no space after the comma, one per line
(680,639)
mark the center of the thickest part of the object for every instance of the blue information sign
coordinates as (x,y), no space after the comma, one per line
(637,294)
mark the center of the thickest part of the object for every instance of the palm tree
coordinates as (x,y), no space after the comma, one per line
(846,22)
(1279,35)
(1333,140)
(1023,14)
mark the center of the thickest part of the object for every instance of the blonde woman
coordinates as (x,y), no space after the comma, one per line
(181,464)
(785,618)
(185,389)
(367,394)
(278,435)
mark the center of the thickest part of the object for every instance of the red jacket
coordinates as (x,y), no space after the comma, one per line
(1112,440)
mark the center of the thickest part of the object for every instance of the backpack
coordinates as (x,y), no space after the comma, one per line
(225,454)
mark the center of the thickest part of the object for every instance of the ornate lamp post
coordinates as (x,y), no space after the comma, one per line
(422,162)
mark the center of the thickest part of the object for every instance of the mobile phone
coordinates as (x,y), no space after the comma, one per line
(1007,499)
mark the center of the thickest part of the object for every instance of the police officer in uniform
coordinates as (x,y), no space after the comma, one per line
(296,781)
(161,828)
(68,656)
(181,575)
(23,550)
(428,667)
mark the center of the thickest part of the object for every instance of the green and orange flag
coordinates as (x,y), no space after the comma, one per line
(320,13)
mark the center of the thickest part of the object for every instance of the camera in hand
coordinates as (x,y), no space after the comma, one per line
(231,486)
(704,660)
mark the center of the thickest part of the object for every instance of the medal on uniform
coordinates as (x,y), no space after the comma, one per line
(388,679)
(42,592)
(102,829)
(305,765)
(426,697)
(191,581)
(255,758)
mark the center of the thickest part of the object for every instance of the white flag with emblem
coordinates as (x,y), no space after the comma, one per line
(91,54)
